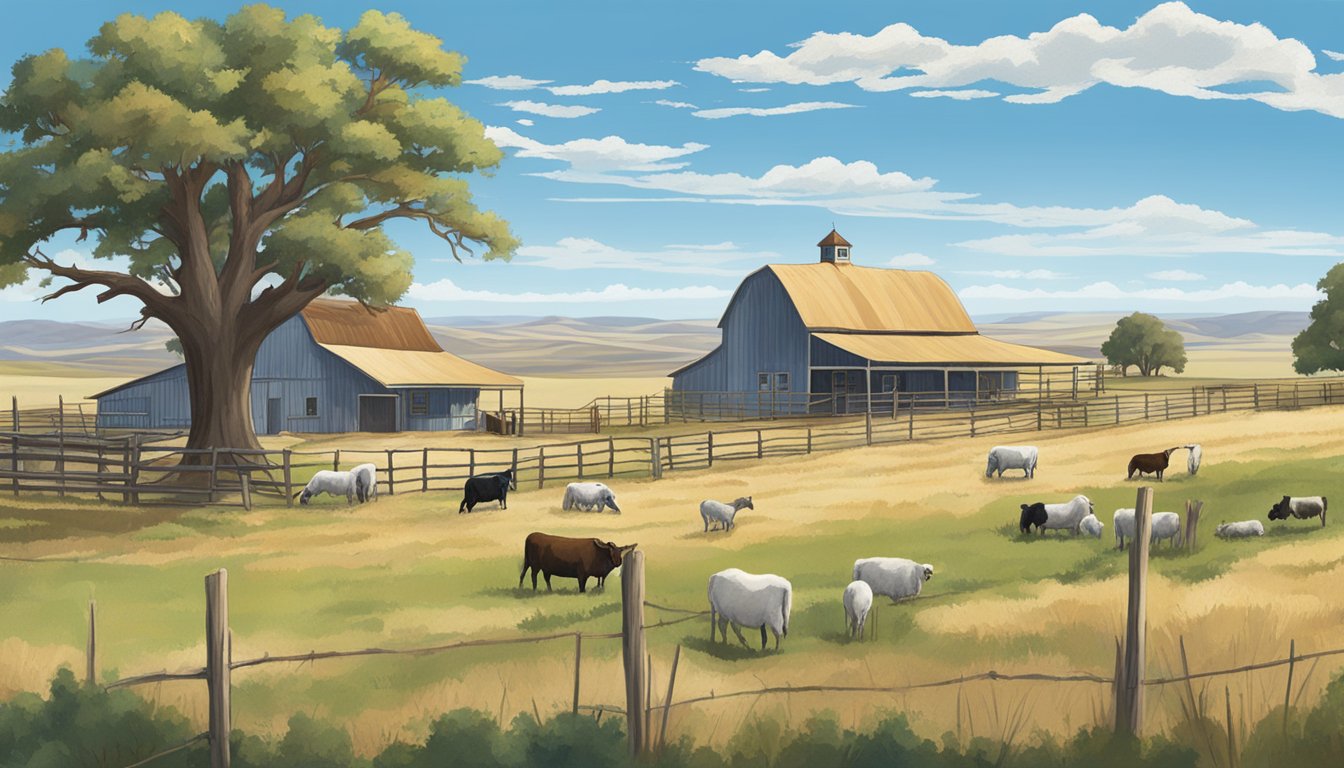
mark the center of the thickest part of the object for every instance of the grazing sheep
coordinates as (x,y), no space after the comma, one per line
(895,577)
(749,600)
(723,514)
(1091,526)
(1193,457)
(368,482)
(1300,507)
(1124,526)
(1003,457)
(1032,514)
(1149,463)
(1165,525)
(589,496)
(334,483)
(1242,530)
(489,486)
(858,600)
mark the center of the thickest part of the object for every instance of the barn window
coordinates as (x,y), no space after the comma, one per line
(763,382)
(842,254)
(781,382)
(420,402)
(891,382)
(310,406)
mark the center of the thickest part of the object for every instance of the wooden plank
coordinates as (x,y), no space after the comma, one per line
(667,702)
(91,648)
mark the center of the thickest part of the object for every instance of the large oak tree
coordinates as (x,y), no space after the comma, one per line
(1143,340)
(235,171)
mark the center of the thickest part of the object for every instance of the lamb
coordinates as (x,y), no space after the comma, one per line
(368,479)
(723,514)
(1300,507)
(1149,463)
(335,483)
(1165,525)
(858,600)
(1192,458)
(589,496)
(1124,526)
(1242,530)
(1091,526)
(1003,457)
(894,577)
(749,600)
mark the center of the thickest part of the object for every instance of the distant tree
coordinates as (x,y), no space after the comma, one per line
(1142,340)
(243,168)
(1321,346)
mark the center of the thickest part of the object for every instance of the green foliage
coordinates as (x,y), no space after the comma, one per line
(1143,340)
(1321,346)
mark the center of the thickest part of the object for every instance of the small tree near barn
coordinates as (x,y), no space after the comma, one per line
(1321,346)
(231,172)
(1143,341)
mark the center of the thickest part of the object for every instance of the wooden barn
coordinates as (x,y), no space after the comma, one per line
(835,337)
(336,367)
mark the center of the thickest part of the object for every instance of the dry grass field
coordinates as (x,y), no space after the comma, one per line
(408,571)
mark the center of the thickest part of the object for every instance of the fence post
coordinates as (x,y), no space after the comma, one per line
(471,461)
(336,461)
(1117,409)
(1288,692)
(868,426)
(671,686)
(1145,406)
(578,452)
(760,445)
(911,432)
(1166,401)
(391,469)
(578,663)
(289,478)
(1129,696)
(541,467)
(809,441)
(217,660)
(91,650)
(513,466)
(135,468)
(14,450)
(1039,425)
(60,445)
(424,470)
(710,443)
(1257,396)
(655,458)
(633,648)
(214,473)
(611,457)
(245,487)
(1192,523)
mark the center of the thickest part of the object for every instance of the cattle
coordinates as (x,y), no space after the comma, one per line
(1150,463)
(492,486)
(1033,514)
(570,558)
(1300,507)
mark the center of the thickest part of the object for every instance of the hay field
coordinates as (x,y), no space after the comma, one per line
(408,571)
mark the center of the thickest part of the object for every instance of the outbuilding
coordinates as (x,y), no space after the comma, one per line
(335,367)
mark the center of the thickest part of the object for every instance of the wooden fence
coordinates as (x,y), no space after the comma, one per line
(1128,682)
(131,470)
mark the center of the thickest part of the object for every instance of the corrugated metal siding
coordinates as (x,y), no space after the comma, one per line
(763,333)
(449,409)
(704,375)
(158,401)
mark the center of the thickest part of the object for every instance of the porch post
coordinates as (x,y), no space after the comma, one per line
(947,393)
(868,387)
(522,413)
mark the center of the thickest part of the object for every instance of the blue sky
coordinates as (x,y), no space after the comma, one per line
(1043,156)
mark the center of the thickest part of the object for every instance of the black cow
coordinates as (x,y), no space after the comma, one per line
(492,486)
(1033,514)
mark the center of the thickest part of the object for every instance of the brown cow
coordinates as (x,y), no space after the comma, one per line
(1150,463)
(570,558)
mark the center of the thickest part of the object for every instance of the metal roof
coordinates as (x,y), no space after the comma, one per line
(349,323)
(833,238)
(852,298)
(395,368)
(944,350)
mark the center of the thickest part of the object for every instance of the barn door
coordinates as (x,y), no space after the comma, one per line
(377,414)
(274,418)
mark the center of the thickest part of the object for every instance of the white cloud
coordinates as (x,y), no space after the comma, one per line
(1171,49)
(608,86)
(1015,274)
(447,290)
(908,260)
(570,253)
(508,82)
(787,109)
(1301,293)
(959,95)
(611,153)
(550,110)
(753,90)
(1336,55)
(525,122)
(675,104)
(1176,276)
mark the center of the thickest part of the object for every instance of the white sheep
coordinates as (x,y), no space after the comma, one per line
(1003,457)
(589,496)
(328,481)
(1091,526)
(749,600)
(1166,525)
(1068,515)
(367,475)
(1241,530)
(1192,458)
(858,601)
(895,577)
(723,514)
(1124,526)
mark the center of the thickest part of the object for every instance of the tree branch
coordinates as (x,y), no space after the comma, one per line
(116,283)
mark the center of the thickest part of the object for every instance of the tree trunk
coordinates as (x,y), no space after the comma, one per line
(219,379)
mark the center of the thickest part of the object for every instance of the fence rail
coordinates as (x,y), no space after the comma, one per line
(133,470)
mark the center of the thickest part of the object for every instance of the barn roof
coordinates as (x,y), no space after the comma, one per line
(395,368)
(949,349)
(852,298)
(348,323)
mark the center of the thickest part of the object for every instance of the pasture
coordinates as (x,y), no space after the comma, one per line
(409,571)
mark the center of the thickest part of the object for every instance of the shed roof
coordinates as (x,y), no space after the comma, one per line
(853,298)
(961,349)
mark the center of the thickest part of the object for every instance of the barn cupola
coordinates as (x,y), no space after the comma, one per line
(834,248)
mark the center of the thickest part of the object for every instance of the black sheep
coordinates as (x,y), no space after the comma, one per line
(1033,514)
